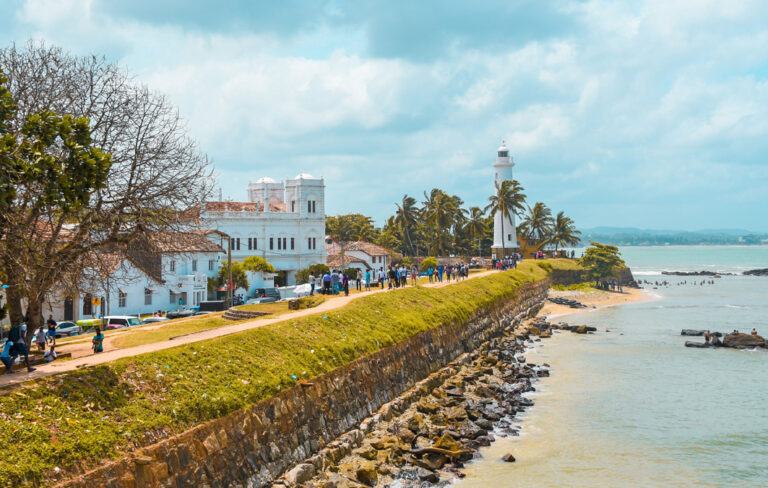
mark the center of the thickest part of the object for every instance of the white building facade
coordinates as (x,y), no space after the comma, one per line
(283,222)
(507,238)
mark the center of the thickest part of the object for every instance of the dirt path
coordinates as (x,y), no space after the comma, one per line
(57,367)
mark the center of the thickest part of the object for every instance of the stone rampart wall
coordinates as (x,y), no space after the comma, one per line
(251,447)
(566,277)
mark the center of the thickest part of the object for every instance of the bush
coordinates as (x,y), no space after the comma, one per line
(257,263)
(302,275)
(429,262)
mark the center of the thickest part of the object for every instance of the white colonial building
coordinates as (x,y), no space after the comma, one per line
(359,255)
(505,238)
(283,222)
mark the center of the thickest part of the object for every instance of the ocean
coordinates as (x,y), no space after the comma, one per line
(631,406)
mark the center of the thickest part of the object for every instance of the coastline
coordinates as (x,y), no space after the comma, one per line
(594,300)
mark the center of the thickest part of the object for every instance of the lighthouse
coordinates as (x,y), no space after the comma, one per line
(507,239)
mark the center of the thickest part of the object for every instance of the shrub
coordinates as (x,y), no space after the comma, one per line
(427,263)
(257,263)
(302,275)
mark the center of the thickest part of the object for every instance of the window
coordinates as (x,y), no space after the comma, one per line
(279,244)
(293,205)
(309,243)
(234,243)
(285,243)
(173,266)
(309,206)
(237,241)
(121,299)
(147,296)
(255,246)
(250,244)
(194,265)
(293,244)
(87,305)
(172,297)
(211,264)
(271,243)
(314,210)
(509,237)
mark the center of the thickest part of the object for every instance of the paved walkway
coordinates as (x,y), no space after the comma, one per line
(57,367)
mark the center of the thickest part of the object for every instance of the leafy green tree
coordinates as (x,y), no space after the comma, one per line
(429,262)
(257,263)
(600,260)
(91,166)
(563,232)
(302,275)
(537,222)
(239,277)
(405,217)
(476,225)
(507,199)
(351,227)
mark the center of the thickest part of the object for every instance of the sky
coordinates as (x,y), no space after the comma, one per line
(650,114)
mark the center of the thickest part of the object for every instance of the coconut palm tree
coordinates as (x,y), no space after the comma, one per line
(508,199)
(563,232)
(537,223)
(475,226)
(405,217)
(440,212)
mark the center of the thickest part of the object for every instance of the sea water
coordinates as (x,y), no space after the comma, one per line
(631,406)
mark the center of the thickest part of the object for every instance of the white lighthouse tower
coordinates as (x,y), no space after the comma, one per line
(508,239)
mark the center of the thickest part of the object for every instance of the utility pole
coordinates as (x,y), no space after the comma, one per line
(230,285)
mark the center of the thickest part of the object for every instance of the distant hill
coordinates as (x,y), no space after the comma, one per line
(631,236)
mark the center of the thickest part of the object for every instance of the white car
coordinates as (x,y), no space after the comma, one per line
(119,321)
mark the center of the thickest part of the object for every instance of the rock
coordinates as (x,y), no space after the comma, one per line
(582,329)
(367,452)
(508,458)
(546,334)
(366,473)
(427,405)
(384,442)
(757,272)
(534,330)
(300,474)
(691,332)
(743,340)
(455,414)
(447,442)
(697,344)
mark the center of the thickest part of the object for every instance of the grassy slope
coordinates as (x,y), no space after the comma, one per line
(86,416)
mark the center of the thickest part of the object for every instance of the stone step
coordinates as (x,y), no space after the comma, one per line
(235,314)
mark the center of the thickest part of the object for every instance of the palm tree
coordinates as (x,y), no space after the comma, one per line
(563,232)
(508,199)
(537,223)
(440,211)
(475,225)
(405,217)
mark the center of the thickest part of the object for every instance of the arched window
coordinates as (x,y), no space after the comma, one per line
(87,305)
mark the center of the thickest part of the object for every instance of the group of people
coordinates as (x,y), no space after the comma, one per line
(509,262)
(609,285)
(15,345)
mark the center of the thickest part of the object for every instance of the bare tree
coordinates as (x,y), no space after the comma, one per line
(157,171)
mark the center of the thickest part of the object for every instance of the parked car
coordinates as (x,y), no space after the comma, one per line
(68,329)
(154,320)
(119,321)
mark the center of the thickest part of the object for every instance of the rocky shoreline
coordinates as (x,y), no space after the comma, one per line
(424,437)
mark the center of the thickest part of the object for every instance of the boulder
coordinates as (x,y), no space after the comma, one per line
(743,340)
(508,458)
(692,332)
(697,344)
(367,452)
(300,474)
(455,414)
(366,473)
(582,329)
(427,405)
(447,442)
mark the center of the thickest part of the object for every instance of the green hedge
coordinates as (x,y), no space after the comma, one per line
(87,416)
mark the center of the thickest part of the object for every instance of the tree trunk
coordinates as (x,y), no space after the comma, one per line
(15,312)
(35,313)
(503,241)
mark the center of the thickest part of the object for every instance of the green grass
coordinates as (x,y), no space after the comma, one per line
(583,287)
(85,417)
(140,337)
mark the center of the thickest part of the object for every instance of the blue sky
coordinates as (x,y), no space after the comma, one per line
(648,114)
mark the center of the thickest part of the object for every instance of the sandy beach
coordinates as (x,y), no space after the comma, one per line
(594,299)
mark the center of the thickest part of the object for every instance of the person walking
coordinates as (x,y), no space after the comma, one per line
(429,274)
(414,275)
(345,283)
(335,278)
(359,280)
(382,277)
(311,284)
(368,280)
(51,333)
(327,283)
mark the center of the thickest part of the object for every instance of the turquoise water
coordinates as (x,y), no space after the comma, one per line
(632,407)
